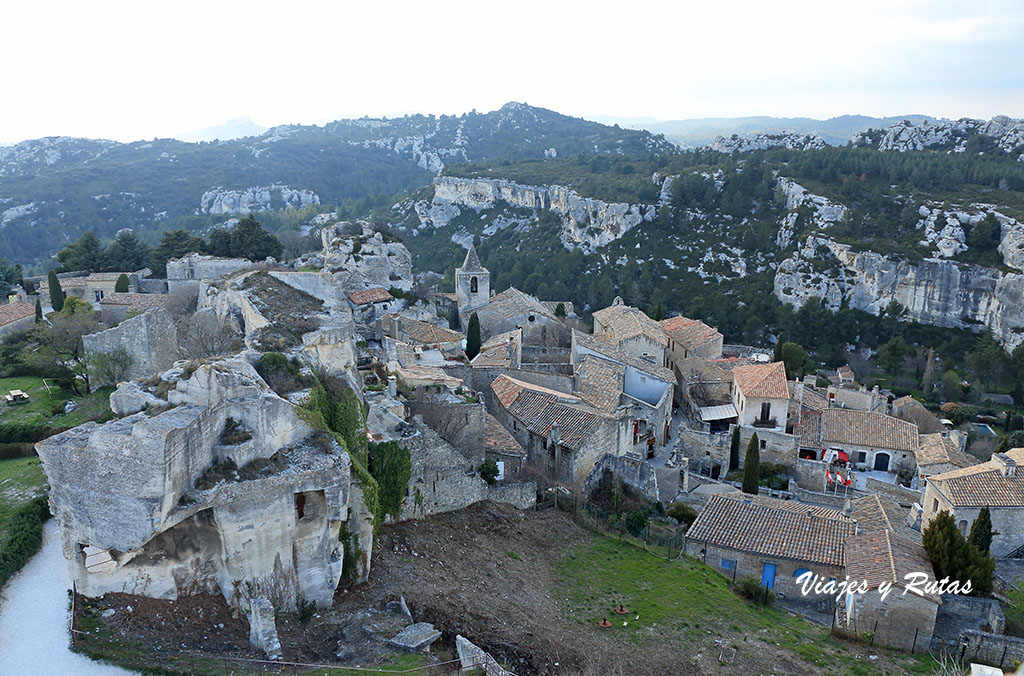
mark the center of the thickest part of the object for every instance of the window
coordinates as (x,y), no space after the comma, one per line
(763,443)
(935,505)
(473,285)
(766,411)
(532,318)
(729,564)
(799,571)
(862,456)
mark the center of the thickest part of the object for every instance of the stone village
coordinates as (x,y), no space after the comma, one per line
(214,477)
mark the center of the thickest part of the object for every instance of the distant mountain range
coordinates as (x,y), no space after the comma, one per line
(237,127)
(54,189)
(694,133)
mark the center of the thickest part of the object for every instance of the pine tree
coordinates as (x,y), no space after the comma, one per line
(473,336)
(127,252)
(84,254)
(56,293)
(752,466)
(981,531)
(954,557)
(39,311)
(734,449)
(121,285)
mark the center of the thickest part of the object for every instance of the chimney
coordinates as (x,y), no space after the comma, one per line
(1005,464)
(554,435)
(392,386)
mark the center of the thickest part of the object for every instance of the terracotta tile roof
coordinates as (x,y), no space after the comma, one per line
(497,350)
(864,428)
(882,556)
(540,409)
(141,301)
(690,333)
(375,295)
(813,400)
(809,429)
(623,322)
(845,372)
(13,312)
(614,353)
(599,382)
(870,514)
(105,276)
(552,305)
(762,380)
(497,439)
(984,484)
(776,528)
(697,370)
(936,449)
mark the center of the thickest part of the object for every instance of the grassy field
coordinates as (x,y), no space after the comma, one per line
(38,410)
(21,480)
(691,603)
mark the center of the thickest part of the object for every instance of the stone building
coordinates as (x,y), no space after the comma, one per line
(563,436)
(872,441)
(774,541)
(689,338)
(369,305)
(218,488)
(512,309)
(632,331)
(501,350)
(116,307)
(995,484)
(415,332)
(645,386)
(761,396)
(472,285)
(151,339)
(939,453)
(903,620)
(195,268)
(15,318)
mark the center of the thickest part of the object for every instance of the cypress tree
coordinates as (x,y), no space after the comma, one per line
(56,292)
(473,336)
(752,466)
(560,310)
(121,285)
(39,311)
(734,449)
(981,531)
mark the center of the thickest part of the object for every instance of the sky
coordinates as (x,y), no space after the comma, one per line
(138,70)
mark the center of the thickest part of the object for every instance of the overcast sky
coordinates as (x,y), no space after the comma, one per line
(131,70)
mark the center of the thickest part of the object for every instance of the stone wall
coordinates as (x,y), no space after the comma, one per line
(808,474)
(317,284)
(195,268)
(779,448)
(20,326)
(461,425)
(902,496)
(704,448)
(959,613)
(833,500)
(150,339)
(903,621)
(635,473)
(992,649)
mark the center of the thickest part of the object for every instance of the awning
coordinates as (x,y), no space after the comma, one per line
(709,413)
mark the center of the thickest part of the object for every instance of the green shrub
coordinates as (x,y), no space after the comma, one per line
(23,538)
(636,521)
(489,471)
(684,514)
(751,589)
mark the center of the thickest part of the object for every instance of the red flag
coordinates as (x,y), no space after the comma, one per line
(842,456)
(828,476)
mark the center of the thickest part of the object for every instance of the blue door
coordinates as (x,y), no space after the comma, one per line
(768,576)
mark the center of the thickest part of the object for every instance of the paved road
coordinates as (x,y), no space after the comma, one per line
(35,619)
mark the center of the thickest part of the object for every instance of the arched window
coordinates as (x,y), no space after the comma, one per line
(472,285)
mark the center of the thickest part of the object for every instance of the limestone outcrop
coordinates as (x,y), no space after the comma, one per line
(823,211)
(255,198)
(587,223)
(150,339)
(933,291)
(226,491)
(359,258)
(1007,132)
(747,142)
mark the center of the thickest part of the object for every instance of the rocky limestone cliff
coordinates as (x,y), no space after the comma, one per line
(587,223)
(359,258)
(903,136)
(255,198)
(933,291)
(748,142)
(823,211)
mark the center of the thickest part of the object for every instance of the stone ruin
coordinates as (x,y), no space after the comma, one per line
(209,483)
(359,258)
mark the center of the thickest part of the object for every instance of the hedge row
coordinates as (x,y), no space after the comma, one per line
(24,433)
(17,450)
(23,538)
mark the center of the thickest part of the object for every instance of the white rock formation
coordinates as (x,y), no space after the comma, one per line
(255,198)
(587,223)
(903,136)
(748,142)
(359,258)
(824,212)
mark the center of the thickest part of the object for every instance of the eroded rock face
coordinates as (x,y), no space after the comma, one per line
(228,492)
(746,143)
(359,258)
(1007,132)
(934,291)
(150,339)
(255,198)
(587,223)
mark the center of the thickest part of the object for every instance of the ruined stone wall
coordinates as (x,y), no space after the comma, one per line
(993,649)
(150,339)
(903,621)
(317,284)
(194,268)
(461,425)
(637,474)
(780,448)
(707,448)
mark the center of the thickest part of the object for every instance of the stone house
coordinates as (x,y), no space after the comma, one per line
(901,620)
(513,309)
(761,396)
(632,331)
(501,350)
(995,484)
(563,435)
(688,338)
(774,541)
(369,305)
(116,307)
(92,287)
(195,268)
(938,453)
(872,441)
(845,376)
(647,387)
(705,385)
(15,318)
(415,332)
